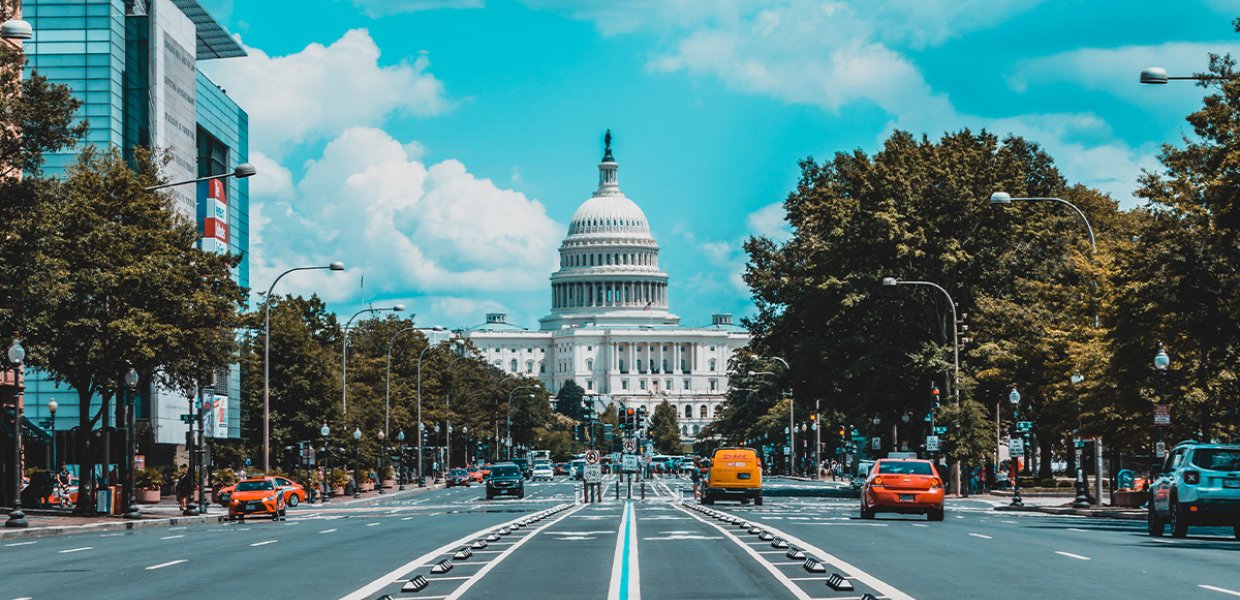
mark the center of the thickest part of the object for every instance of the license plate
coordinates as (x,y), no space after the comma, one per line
(251,506)
(908,497)
(1231,483)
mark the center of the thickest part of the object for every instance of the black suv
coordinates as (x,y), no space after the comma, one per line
(505,479)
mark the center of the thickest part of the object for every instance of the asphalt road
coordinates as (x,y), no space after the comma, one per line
(547,546)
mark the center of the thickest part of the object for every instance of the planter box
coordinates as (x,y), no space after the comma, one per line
(389,483)
(148,496)
(1130,498)
(338,490)
(368,487)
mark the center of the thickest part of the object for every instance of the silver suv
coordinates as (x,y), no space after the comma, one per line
(1199,484)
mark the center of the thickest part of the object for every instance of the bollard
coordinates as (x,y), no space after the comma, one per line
(617,488)
(643,489)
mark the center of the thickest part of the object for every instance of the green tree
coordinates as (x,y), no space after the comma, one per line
(131,290)
(569,401)
(665,429)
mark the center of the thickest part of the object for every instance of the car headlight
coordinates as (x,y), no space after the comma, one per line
(269,499)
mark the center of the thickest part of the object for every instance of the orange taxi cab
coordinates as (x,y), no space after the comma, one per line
(475,474)
(257,496)
(903,485)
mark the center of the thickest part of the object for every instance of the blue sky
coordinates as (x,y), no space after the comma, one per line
(440,147)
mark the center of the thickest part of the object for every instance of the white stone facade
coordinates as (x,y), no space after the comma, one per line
(609,329)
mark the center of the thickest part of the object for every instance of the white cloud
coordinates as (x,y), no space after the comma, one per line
(769,222)
(381,8)
(276,182)
(322,90)
(412,229)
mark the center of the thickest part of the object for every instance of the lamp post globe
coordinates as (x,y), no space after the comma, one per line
(1000,198)
(904,417)
(325,430)
(878,420)
(1076,378)
(16,29)
(1154,75)
(17,354)
(1014,397)
(1161,359)
(357,435)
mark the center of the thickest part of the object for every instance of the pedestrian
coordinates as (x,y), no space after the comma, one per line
(185,487)
(62,485)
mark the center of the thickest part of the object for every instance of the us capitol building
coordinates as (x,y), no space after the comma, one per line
(610,329)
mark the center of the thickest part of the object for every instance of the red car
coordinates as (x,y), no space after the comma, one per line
(903,485)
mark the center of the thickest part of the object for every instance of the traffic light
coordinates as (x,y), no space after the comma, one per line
(841,432)
(630,419)
(641,417)
(934,394)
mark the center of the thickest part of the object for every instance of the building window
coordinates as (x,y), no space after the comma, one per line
(684,366)
(686,384)
(684,430)
(665,369)
(688,411)
(665,348)
(714,385)
(589,348)
(590,384)
(512,366)
(589,364)
(667,384)
(498,364)
(653,368)
(542,367)
(712,348)
(641,383)
(697,429)
(624,384)
(718,410)
(622,369)
(702,412)
(712,365)
(529,366)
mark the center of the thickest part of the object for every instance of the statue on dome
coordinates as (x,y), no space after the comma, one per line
(607,157)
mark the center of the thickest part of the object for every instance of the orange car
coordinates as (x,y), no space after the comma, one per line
(294,493)
(257,496)
(903,485)
(475,474)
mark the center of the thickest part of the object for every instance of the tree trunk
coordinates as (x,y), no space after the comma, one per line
(1047,446)
(85,455)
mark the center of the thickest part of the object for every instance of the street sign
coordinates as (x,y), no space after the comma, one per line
(630,463)
(929,417)
(187,418)
(1160,449)
(1162,414)
(1024,426)
(1078,443)
(1016,447)
(630,445)
(593,473)
(940,429)
(591,457)
(932,443)
(876,443)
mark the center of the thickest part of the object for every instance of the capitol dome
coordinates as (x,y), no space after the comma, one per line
(609,262)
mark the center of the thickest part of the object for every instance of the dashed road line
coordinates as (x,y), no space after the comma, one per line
(19,544)
(328,531)
(1078,557)
(263,543)
(1078,530)
(82,549)
(172,537)
(1219,590)
(167,564)
(981,535)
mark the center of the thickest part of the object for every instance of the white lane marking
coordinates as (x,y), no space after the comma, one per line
(1218,589)
(264,543)
(980,535)
(176,528)
(856,574)
(383,581)
(625,581)
(167,564)
(328,531)
(1076,556)
(498,559)
(920,525)
(1008,522)
(108,535)
(461,578)
(407,519)
(1077,529)
(19,544)
(172,537)
(371,524)
(77,549)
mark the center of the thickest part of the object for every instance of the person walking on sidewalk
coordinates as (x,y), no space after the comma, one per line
(185,487)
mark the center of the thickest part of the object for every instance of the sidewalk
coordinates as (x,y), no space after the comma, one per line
(47,522)
(1061,505)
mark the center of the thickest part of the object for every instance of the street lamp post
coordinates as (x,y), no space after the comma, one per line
(892,282)
(1014,399)
(357,462)
(131,441)
(16,356)
(1082,491)
(791,408)
(1161,362)
(51,409)
(387,394)
(508,447)
(1158,76)
(421,426)
(326,431)
(382,451)
(400,454)
(344,353)
(335,266)
(242,171)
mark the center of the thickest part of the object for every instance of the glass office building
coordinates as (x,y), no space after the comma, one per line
(133,64)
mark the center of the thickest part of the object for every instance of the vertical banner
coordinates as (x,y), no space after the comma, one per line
(213,214)
(215,416)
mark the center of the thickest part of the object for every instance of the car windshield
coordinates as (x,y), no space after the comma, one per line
(905,468)
(458,472)
(505,472)
(1217,459)
(250,486)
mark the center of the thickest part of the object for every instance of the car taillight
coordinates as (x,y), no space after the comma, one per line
(934,482)
(878,481)
(1192,477)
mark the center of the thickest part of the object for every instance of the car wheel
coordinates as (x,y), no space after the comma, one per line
(292,500)
(744,501)
(934,514)
(707,498)
(490,496)
(757,500)
(1236,531)
(866,513)
(1154,526)
(521,496)
(1179,527)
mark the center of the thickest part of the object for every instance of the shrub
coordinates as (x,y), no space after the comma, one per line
(224,478)
(1027,482)
(148,478)
(1049,482)
(340,477)
(388,472)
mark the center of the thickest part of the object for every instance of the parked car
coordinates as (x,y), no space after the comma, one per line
(859,475)
(1197,484)
(734,473)
(903,485)
(505,479)
(459,477)
(257,496)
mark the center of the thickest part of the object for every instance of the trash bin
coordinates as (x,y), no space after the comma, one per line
(103,500)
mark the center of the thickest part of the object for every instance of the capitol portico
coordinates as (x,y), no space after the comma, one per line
(610,329)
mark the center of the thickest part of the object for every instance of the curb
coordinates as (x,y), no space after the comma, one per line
(1124,515)
(35,532)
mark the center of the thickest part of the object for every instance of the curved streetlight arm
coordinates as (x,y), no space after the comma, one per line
(509,419)
(344,352)
(387,395)
(335,266)
(1093,245)
(890,281)
(242,171)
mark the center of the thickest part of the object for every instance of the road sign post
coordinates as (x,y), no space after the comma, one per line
(1162,414)
(932,443)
